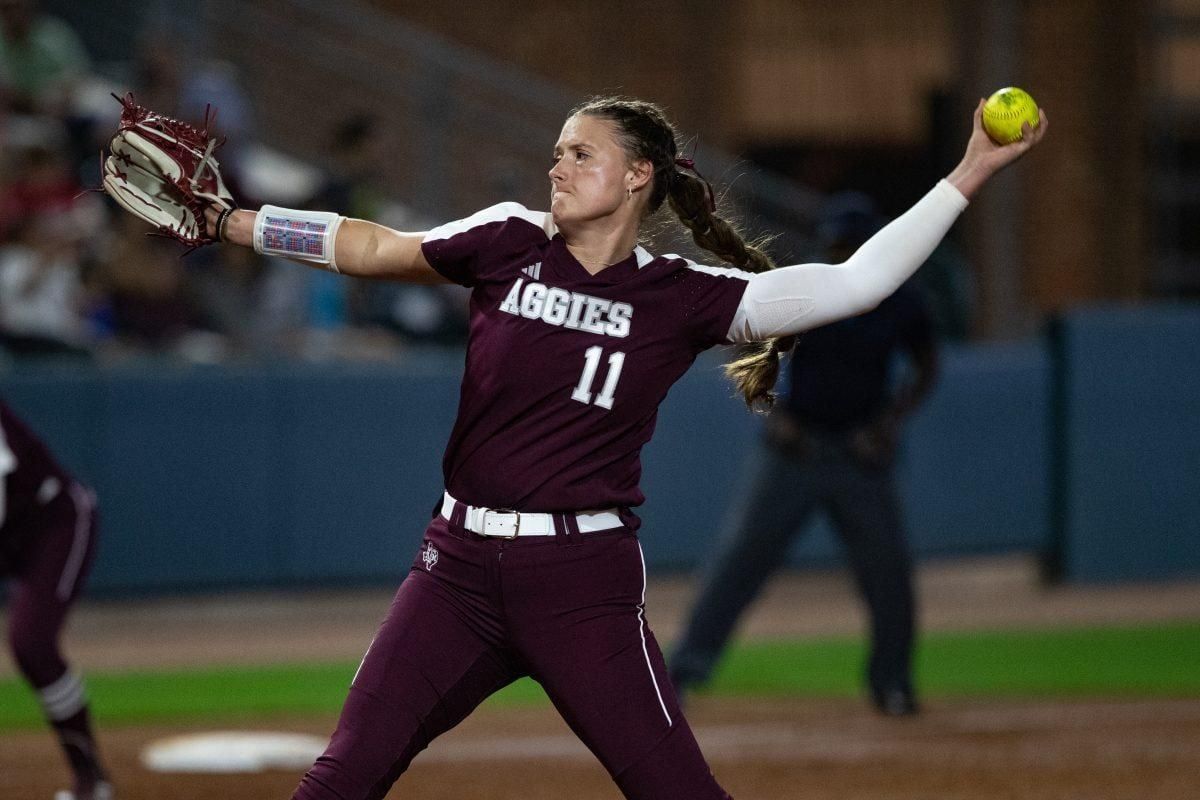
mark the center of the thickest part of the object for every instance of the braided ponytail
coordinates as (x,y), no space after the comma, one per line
(756,368)
(645,133)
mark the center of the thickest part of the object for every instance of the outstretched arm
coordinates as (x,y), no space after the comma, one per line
(793,299)
(361,249)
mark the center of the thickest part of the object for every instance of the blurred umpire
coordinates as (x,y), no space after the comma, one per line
(830,445)
(47,542)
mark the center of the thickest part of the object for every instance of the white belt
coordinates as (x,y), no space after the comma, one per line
(511,524)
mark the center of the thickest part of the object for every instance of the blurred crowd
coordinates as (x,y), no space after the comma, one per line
(81,279)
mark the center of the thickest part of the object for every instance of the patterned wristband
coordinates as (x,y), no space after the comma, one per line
(303,235)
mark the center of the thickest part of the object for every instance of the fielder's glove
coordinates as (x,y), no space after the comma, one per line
(163,171)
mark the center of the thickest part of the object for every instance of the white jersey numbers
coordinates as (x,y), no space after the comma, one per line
(591,362)
(582,312)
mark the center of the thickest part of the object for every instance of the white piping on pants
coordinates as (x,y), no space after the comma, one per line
(645,649)
(83,531)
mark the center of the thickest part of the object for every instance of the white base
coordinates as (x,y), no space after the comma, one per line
(232,752)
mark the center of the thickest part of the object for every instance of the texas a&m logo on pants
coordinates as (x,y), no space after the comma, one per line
(430,556)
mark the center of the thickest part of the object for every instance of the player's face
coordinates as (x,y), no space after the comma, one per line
(591,171)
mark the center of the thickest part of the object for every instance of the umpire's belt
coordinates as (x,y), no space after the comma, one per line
(506,523)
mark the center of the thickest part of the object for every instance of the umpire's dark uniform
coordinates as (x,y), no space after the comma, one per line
(829,446)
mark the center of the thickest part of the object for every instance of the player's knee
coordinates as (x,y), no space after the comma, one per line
(36,653)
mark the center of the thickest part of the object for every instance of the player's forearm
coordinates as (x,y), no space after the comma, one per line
(245,228)
(793,299)
(368,250)
(358,248)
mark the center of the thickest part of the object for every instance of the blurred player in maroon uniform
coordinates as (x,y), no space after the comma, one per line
(532,565)
(47,542)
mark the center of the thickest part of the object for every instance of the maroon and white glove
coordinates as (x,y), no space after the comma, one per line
(163,171)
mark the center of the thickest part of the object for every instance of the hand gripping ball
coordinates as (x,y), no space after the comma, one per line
(1005,112)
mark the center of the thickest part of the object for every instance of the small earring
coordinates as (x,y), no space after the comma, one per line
(628,192)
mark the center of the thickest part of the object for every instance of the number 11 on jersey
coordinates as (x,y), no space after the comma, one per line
(583,392)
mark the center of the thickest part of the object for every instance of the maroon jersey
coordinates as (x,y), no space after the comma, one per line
(31,479)
(565,370)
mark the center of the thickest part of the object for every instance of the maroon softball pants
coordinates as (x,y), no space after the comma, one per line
(49,577)
(475,614)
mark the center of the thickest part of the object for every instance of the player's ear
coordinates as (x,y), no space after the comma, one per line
(639,174)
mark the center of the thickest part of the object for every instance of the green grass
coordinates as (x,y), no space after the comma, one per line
(1156,660)
(1144,661)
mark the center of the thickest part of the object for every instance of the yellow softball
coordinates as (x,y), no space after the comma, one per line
(1005,112)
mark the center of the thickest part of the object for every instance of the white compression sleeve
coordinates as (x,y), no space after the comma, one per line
(789,300)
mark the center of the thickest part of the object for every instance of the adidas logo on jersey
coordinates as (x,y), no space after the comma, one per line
(559,307)
(533,270)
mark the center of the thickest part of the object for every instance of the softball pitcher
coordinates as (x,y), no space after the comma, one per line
(531,565)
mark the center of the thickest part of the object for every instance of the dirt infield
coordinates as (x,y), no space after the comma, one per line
(760,750)
(1092,749)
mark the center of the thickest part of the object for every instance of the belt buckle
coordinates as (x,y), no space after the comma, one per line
(516,529)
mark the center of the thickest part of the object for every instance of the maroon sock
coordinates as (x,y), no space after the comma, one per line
(79,745)
(65,704)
